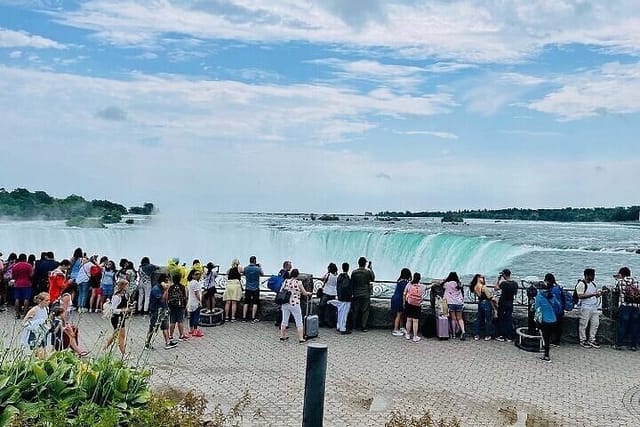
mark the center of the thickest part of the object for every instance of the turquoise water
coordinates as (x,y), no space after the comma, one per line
(528,248)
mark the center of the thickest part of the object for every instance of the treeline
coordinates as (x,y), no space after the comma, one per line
(600,214)
(23,204)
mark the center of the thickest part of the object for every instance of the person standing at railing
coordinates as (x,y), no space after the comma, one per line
(454,295)
(233,290)
(252,273)
(588,294)
(558,292)
(508,290)
(326,311)
(397,303)
(629,313)
(484,319)
(362,283)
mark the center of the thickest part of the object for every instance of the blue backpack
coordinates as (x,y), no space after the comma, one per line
(567,300)
(275,282)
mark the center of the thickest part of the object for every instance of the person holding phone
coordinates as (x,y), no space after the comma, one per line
(362,283)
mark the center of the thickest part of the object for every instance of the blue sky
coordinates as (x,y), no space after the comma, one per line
(342,106)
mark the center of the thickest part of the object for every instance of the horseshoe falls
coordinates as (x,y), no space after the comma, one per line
(421,244)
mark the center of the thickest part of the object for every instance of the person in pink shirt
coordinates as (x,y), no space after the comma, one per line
(454,294)
(22,273)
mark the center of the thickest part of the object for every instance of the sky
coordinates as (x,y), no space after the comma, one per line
(323,106)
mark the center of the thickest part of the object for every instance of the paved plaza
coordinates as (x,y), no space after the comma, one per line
(371,374)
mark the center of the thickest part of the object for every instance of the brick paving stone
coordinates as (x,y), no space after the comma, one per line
(471,380)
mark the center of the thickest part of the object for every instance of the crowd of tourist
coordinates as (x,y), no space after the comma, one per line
(44,293)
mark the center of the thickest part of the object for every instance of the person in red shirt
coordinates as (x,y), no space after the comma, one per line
(58,281)
(22,273)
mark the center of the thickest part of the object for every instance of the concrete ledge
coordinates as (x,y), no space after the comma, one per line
(380,317)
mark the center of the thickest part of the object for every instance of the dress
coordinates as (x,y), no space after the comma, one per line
(396,298)
(233,290)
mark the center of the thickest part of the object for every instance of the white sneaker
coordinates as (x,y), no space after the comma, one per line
(416,338)
(403,330)
(407,336)
(397,333)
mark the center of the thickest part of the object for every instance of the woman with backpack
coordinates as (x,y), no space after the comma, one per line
(545,307)
(558,292)
(397,305)
(120,310)
(413,296)
(454,295)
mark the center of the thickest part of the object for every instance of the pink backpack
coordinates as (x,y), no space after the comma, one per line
(414,294)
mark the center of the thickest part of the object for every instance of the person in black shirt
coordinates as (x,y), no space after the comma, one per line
(508,290)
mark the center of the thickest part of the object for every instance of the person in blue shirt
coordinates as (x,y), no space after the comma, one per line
(252,273)
(546,306)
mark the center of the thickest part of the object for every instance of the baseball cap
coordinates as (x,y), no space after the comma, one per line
(506,272)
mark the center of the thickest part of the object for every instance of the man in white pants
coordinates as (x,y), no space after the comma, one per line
(588,295)
(343,300)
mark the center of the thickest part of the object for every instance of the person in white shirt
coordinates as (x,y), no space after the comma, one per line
(588,294)
(194,302)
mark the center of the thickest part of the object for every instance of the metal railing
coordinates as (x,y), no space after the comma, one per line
(383,289)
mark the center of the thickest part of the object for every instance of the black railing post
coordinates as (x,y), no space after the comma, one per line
(313,412)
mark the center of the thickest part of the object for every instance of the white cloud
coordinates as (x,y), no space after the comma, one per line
(15,54)
(468,31)
(443,135)
(614,88)
(10,38)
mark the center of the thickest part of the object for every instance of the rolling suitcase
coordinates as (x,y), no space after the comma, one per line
(311,322)
(442,328)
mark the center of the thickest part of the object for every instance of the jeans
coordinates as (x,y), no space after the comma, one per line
(194,318)
(327,312)
(590,317)
(547,329)
(505,321)
(556,333)
(83,294)
(484,321)
(628,319)
(144,292)
(361,311)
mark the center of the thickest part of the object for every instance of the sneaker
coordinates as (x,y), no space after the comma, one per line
(244,320)
(407,336)
(634,348)
(197,333)
(148,347)
(476,338)
(487,338)
(397,333)
(364,330)
(184,337)
(545,358)
(256,320)
(554,345)
(403,330)
(594,344)
(416,338)
(618,347)
(501,339)
(463,337)
(585,344)
(170,344)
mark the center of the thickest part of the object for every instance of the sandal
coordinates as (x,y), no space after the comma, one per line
(302,341)
(83,353)
(284,338)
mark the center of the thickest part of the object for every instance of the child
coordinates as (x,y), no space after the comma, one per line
(413,296)
(194,302)
(63,336)
(177,302)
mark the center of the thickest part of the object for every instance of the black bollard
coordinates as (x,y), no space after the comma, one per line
(313,412)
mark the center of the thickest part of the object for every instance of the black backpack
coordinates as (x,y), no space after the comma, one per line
(176,296)
(576,300)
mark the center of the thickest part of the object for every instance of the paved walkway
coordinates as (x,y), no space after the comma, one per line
(370,374)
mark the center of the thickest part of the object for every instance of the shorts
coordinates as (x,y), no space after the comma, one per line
(117,321)
(211,292)
(176,314)
(456,307)
(22,294)
(97,291)
(412,311)
(252,297)
(159,318)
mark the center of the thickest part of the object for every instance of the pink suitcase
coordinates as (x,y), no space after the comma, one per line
(442,328)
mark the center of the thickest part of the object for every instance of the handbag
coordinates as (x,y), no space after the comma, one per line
(283,296)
